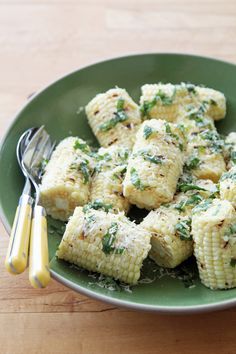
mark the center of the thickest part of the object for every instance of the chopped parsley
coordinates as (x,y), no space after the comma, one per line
(81,145)
(97,204)
(185,187)
(119,116)
(214,140)
(192,200)
(229,175)
(159,97)
(183,229)
(123,155)
(157,159)
(175,136)
(147,131)
(102,160)
(233,156)
(191,88)
(108,240)
(136,180)
(203,206)
(120,174)
(192,163)
(83,166)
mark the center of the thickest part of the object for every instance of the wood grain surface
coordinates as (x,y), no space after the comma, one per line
(39,41)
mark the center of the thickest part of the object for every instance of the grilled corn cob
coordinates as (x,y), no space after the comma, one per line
(228,186)
(66,181)
(204,155)
(105,243)
(108,178)
(214,235)
(163,101)
(155,164)
(171,240)
(114,118)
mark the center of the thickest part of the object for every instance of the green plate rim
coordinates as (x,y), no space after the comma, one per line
(121,303)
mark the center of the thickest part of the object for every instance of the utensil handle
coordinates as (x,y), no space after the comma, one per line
(39,274)
(18,249)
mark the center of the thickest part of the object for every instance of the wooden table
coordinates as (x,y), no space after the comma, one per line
(39,41)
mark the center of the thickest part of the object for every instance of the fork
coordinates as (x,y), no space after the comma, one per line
(35,154)
(17,253)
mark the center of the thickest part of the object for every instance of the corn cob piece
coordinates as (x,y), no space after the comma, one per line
(204,155)
(105,243)
(230,150)
(155,164)
(171,240)
(228,186)
(108,178)
(215,101)
(66,181)
(163,101)
(214,234)
(114,118)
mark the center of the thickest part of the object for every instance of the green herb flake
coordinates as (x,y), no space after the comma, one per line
(183,229)
(191,88)
(147,131)
(214,140)
(83,166)
(79,144)
(136,180)
(203,206)
(159,97)
(192,200)
(157,159)
(192,163)
(119,117)
(97,204)
(229,175)
(175,136)
(233,156)
(185,187)
(108,240)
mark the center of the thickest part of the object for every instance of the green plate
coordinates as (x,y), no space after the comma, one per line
(57,107)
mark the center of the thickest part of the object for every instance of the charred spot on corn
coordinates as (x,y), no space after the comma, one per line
(233,262)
